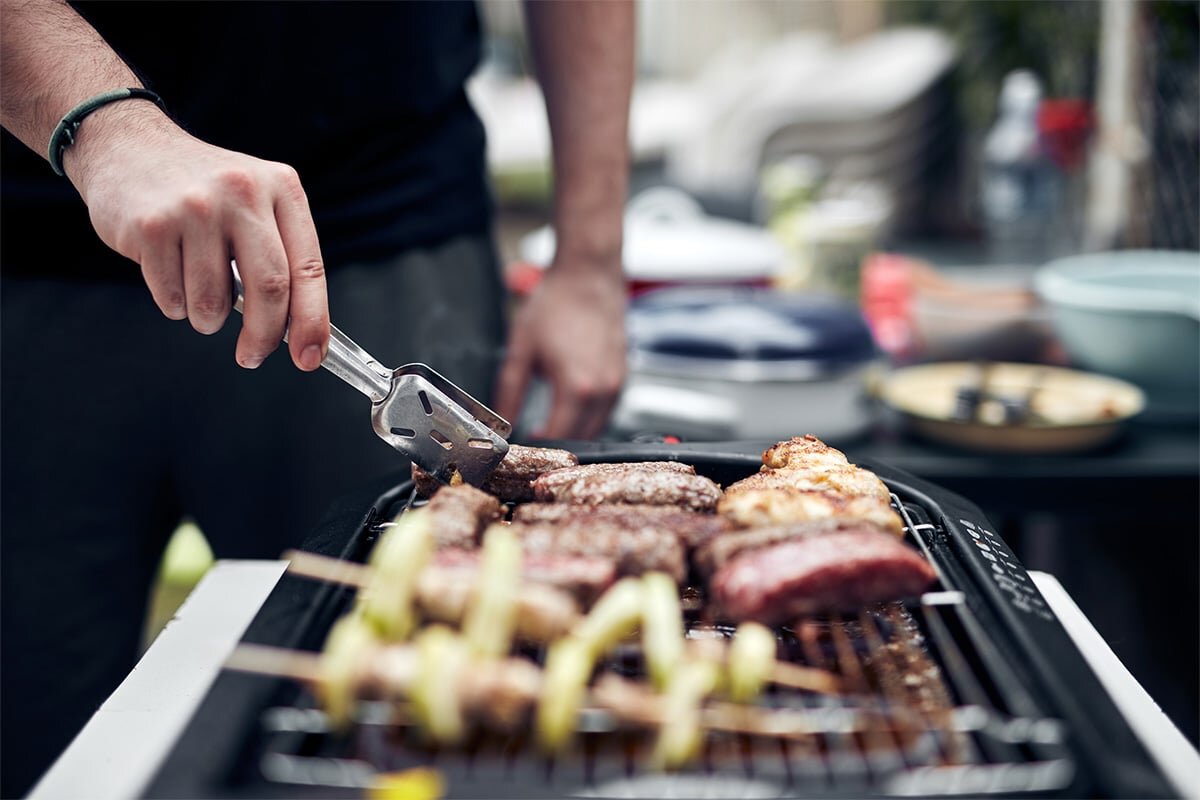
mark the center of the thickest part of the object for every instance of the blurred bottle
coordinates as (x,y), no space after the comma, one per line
(1019,183)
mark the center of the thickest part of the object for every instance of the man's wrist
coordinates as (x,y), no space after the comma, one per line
(107,131)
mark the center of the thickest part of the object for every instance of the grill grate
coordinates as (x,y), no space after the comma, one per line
(928,711)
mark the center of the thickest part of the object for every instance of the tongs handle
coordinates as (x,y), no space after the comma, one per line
(345,357)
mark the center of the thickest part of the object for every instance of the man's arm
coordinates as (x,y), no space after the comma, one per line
(177,206)
(571,330)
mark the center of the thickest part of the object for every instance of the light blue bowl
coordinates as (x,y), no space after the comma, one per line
(1134,314)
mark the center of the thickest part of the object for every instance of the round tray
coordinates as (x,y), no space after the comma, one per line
(1072,410)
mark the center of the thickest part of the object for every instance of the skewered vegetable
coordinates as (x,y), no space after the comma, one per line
(347,650)
(435,697)
(568,669)
(489,622)
(616,615)
(751,657)
(682,732)
(662,627)
(397,560)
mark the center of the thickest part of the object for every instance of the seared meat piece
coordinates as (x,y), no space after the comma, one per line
(838,571)
(720,550)
(460,513)
(583,577)
(653,482)
(847,480)
(635,548)
(805,479)
(802,452)
(510,480)
(780,506)
(693,527)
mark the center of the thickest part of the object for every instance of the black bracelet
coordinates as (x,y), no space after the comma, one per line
(64,133)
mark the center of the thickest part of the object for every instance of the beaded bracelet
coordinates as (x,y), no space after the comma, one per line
(64,133)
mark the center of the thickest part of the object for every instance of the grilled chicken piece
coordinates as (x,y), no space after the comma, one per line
(460,513)
(805,479)
(583,577)
(720,550)
(834,572)
(781,506)
(802,452)
(511,478)
(634,548)
(693,527)
(653,482)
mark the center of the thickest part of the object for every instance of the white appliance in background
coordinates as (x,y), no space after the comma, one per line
(669,240)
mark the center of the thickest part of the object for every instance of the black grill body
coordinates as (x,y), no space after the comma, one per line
(1034,718)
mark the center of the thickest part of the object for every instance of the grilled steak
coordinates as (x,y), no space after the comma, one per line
(510,480)
(634,549)
(460,513)
(653,482)
(838,571)
(583,577)
(693,527)
(720,550)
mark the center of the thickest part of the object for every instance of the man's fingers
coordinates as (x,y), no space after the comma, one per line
(308,332)
(267,284)
(563,421)
(593,419)
(207,283)
(162,270)
(513,381)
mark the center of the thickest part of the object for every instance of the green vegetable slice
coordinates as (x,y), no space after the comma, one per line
(347,649)
(492,614)
(564,682)
(681,735)
(398,558)
(751,657)
(435,696)
(662,627)
(615,615)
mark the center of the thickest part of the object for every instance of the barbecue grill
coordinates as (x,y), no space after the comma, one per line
(972,689)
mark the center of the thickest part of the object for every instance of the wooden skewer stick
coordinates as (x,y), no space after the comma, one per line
(641,706)
(277,662)
(335,570)
(808,678)
(324,568)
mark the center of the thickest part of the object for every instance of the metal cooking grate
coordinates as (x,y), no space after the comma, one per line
(930,710)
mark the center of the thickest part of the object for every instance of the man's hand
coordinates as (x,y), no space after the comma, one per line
(177,206)
(571,331)
(182,209)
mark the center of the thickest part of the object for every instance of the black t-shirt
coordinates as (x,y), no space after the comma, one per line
(364,99)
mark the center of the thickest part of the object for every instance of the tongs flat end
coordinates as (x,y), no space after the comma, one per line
(442,428)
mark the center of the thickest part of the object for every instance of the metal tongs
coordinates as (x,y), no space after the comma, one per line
(440,427)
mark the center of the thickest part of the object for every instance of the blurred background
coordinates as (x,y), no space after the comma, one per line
(960,238)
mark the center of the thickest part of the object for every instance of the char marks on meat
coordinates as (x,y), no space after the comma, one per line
(460,513)
(654,482)
(693,527)
(720,550)
(511,479)
(634,548)
(837,571)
